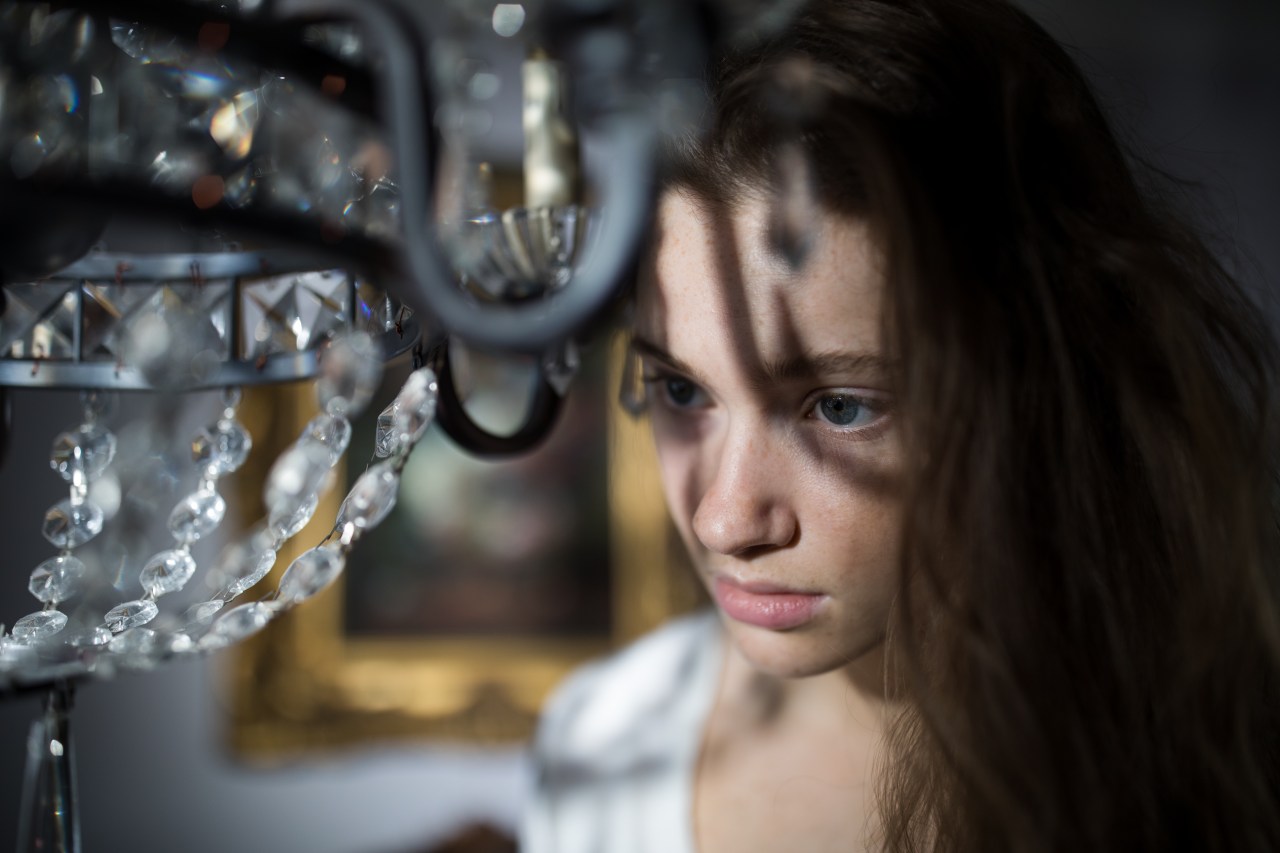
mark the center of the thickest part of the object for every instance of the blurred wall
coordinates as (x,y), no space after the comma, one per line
(1196,86)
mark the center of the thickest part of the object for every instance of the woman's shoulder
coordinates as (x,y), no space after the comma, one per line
(607,703)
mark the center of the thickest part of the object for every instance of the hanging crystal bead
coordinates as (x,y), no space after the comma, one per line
(222,448)
(332,431)
(203,612)
(284,527)
(296,478)
(242,621)
(56,578)
(371,498)
(88,449)
(416,404)
(241,565)
(95,636)
(174,644)
(197,515)
(387,438)
(133,641)
(167,572)
(131,614)
(310,573)
(67,525)
(349,372)
(36,626)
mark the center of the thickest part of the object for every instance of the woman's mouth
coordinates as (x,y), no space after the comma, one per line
(765,605)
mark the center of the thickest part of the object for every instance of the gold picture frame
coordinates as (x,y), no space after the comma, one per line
(304,684)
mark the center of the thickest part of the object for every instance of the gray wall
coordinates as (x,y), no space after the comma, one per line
(1198,87)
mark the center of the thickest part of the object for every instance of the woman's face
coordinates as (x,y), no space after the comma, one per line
(774,428)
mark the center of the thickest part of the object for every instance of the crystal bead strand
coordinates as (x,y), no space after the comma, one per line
(368,503)
(80,456)
(350,371)
(218,450)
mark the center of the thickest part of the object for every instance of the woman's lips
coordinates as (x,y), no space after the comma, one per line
(765,605)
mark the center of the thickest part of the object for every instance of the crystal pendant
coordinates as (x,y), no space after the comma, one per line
(133,641)
(197,515)
(167,572)
(88,449)
(36,626)
(349,372)
(332,431)
(310,573)
(68,526)
(371,498)
(296,478)
(174,644)
(242,621)
(404,421)
(55,579)
(222,448)
(95,636)
(203,612)
(131,614)
(284,527)
(241,565)
(386,440)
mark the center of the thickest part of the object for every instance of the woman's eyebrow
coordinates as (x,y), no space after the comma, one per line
(826,363)
(648,349)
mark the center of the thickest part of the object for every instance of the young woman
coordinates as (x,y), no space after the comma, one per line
(975,456)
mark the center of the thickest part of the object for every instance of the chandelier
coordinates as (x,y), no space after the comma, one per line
(214,194)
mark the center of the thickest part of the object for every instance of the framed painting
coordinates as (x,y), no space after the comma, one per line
(486,585)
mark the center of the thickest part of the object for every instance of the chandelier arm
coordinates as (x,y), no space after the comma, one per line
(543,412)
(431,285)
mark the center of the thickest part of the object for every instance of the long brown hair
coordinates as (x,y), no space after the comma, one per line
(1087,625)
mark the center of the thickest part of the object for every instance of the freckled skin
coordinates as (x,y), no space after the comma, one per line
(766,490)
(759,491)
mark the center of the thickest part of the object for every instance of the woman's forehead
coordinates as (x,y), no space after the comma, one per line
(711,274)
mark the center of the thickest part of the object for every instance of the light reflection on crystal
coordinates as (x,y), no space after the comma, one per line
(416,405)
(131,614)
(242,621)
(287,525)
(203,612)
(387,438)
(223,447)
(349,372)
(90,637)
(39,625)
(241,565)
(56,578)
(175,644)
(68,526)
(295,478)
(167,572)
(197,515)
(371,498)
(310,573)
(233,123)
(332,431)
(88,449)
(133,641)
(38,320)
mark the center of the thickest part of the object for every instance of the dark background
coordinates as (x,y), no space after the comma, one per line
(1195,85)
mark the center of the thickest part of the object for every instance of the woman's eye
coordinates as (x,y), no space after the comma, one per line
(844,410)
(681,393)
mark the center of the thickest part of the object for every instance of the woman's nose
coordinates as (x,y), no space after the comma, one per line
(744,505)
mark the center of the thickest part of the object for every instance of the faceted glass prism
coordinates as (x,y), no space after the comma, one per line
(415,405)
(371,498)
(332,431)
(36,626)
(243,564)
(296,478)
(131,614)
(197,515)
(133,641)
(203,612)
(88,449)
(388,438)
(68,526)
(284,527)
(310,573)
(222,448)
(167,572)
(242,621)
(56,578)
(349,372)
